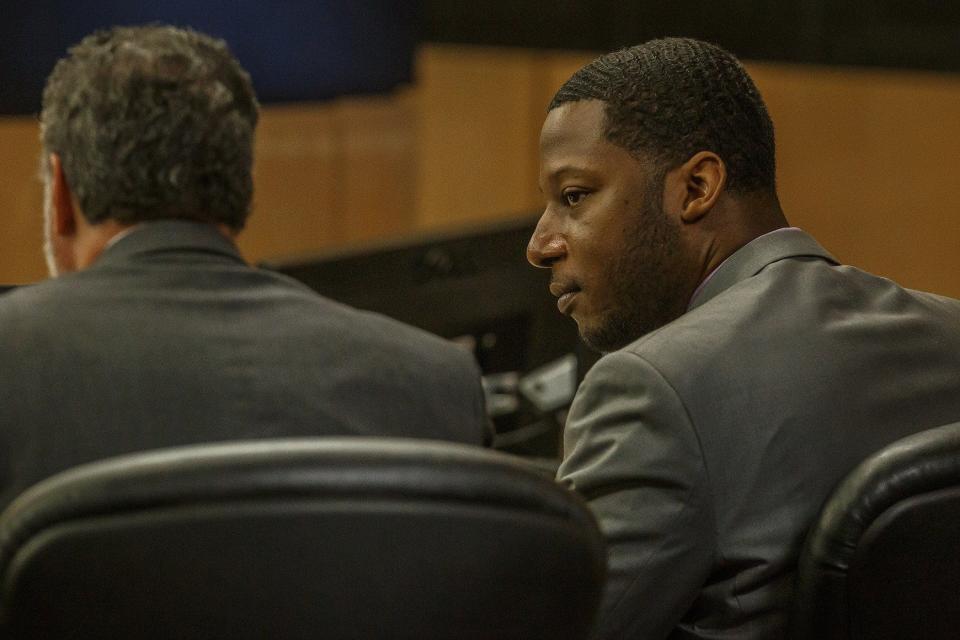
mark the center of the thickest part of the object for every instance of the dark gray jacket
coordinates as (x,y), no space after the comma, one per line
(170,338)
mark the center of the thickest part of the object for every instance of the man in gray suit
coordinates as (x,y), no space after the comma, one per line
(157,333)
(747,369)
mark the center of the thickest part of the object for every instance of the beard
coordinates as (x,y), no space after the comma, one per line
(646,280)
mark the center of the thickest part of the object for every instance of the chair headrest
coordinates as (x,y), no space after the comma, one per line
(329,467)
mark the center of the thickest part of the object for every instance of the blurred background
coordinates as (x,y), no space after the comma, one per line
(386,119)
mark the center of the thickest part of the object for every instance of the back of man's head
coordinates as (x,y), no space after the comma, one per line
(667,99)
(153,123)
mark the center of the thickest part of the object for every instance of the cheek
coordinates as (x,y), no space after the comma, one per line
(600,286)
(596,256)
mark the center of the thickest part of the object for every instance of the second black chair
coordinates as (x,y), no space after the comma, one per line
(327,538)
(883,562)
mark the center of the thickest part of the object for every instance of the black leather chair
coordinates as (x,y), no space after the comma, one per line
(321,538)
(883,560)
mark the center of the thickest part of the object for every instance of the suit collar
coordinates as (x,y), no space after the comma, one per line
(753,257)
(169,235)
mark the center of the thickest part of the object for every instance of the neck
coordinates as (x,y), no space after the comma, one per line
(93,239)
(742,219)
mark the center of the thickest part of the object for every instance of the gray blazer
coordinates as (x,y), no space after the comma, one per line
(707,447)
(170,339)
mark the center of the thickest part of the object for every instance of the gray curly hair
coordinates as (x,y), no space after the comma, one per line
(152,122)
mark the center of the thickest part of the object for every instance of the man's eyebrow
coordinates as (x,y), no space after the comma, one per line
(565,169)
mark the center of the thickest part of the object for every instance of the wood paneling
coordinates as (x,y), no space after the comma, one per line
(379,144)
(297,176)
(478,134)
(865,161)
(865,164)
(332,173)
(21,202)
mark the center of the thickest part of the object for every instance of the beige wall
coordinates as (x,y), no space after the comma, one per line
(864,162)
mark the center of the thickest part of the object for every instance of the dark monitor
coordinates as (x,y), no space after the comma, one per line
(475,287)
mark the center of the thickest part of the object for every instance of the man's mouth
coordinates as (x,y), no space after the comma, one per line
(565,293)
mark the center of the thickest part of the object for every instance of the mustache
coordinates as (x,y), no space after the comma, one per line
(560,286)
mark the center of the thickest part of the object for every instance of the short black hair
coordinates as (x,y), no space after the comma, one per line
(153,122)
(667,99)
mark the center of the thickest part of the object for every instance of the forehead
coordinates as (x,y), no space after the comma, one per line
(574,125)
(573,139)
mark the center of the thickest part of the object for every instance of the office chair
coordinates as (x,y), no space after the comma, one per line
(883,560)
(316,538)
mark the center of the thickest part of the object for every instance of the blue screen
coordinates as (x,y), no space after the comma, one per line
(295,50)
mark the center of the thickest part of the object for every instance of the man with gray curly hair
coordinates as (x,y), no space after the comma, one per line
(747,370)
(156,333)
(150,124)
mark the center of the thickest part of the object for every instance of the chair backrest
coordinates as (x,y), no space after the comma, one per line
(883,560)
(320,538)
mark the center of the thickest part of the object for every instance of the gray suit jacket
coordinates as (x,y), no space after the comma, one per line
(170,339)
(707,447)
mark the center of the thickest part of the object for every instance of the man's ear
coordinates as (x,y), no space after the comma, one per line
(704,177)
(61,200)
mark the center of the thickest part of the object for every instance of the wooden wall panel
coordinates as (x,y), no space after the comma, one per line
(332,173)
(478,134)
(297,174)
(379,141)
(21,202)
(865,164)
(865,161)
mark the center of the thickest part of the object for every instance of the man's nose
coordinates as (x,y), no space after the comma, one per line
(546,246)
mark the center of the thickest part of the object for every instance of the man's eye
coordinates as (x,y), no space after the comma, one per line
(573,197)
